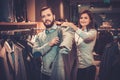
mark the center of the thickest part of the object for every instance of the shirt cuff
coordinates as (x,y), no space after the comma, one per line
(78,31)
(63,50)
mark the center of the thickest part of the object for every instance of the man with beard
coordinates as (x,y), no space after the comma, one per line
(50,44)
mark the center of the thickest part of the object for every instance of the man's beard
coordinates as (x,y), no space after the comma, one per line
(49,25)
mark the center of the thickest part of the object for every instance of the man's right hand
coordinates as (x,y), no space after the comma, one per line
(54,41)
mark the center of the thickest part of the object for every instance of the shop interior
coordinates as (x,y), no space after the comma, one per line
(20,20)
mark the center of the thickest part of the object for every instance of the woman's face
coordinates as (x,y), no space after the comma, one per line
(84,20)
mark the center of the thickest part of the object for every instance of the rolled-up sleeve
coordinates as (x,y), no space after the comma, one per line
(68,38)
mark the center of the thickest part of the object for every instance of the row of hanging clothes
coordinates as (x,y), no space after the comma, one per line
(108,49)
(16,60)
(104,37)
(110,61)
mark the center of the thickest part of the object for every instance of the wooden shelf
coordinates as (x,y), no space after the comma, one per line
(17,25)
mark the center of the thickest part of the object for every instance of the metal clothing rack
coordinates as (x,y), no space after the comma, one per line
(115,32)
(109,30)
(112,29)
(18,34)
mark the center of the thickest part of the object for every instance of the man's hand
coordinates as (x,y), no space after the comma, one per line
(54,41)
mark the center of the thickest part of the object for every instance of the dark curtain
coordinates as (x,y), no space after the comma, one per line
(13,10)
(4,11)
(74,14)
(20,10)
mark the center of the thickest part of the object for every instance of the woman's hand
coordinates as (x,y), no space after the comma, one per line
(69,24)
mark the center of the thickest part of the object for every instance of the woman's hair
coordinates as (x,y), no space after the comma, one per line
(91,24)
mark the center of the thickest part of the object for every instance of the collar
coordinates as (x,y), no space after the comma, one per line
(52,29)
(85,30)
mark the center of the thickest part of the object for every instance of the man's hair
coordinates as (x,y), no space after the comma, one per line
(44,8)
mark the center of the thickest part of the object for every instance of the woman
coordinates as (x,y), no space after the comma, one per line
(85,38)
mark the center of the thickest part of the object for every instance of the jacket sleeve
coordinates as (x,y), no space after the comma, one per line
(68,38)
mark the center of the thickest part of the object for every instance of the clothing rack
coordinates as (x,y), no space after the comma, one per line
(112,29)
(115,31)
(19,34)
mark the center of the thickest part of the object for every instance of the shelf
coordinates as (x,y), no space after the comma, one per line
(17,25)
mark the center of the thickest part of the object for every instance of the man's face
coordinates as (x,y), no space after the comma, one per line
(47,18)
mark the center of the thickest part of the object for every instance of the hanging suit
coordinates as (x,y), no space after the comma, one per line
(13,62)
(110,63)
